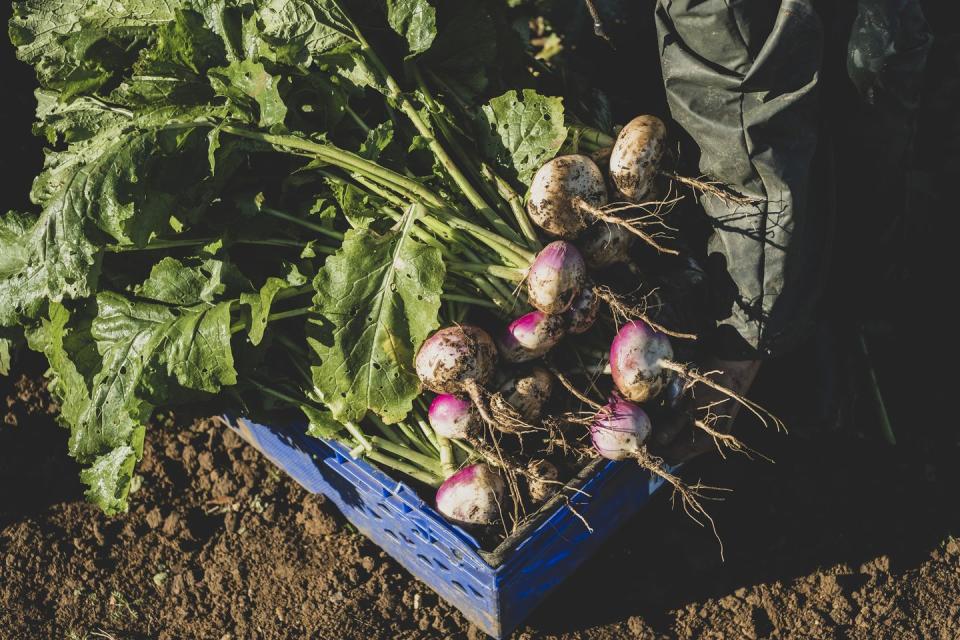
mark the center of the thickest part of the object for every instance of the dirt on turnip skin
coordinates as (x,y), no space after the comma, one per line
(556,190)
(635,157)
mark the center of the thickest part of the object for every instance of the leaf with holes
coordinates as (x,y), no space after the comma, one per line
(523,131)
(381,296)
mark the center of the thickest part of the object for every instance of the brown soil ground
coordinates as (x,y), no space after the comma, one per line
(842,538)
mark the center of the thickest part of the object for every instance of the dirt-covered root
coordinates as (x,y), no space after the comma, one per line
(506,418)
(625,312)
(691,495)
(634,225)
(726,441)
(712,188)
(691,375)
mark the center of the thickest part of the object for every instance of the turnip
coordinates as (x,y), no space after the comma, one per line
(456,359)
(528,393)
(563,192)
(568,194)
(635,158)
(636,162)
(619,429)
(453,417)
(603,245)
(556,277)
(642,365)
(543,474)
(638,357)
(530,336)
(583,312)
(473,495)
(619,432)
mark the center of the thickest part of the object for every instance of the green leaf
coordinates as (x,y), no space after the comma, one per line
(109,476)
(378,139)
(525,130)
(299,30)
(260,304)
(321,422)
(173,282)
(72,358)
(358,206)
(415,20)
(381,296)
(252,89)
(75,43)
(9,340)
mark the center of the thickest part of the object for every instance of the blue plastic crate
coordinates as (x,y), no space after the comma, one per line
(495,590)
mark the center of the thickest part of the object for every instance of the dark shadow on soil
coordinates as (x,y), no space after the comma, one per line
(830,499)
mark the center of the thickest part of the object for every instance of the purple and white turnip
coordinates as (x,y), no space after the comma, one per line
(473,495)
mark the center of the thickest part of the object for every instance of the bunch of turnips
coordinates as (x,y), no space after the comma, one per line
(500,382)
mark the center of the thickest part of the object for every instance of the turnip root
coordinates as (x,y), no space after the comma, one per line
(542,474)
(473,495)
(637,357)
(642,366)
(530,336)
(635,158)
(619,432)
(603,245)
(456,358)
(459,359)
(559,191)
(568,194)
(556,277)
(528,393)
(452,417)
(583,312)
(619,429)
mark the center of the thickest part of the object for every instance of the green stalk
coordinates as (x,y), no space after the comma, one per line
(471,300)
(512,198)
(507,273)
(507,249)
(428,432)
(359,436)
(426,462)
(886,427)
(400,98)
(402,467)
(240,325)
(451,139)
(410,435)
(388,433)
(155,245)
(343,159)
(448,462)
(306,224)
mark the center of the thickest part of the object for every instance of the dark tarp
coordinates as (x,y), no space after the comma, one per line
(745,80)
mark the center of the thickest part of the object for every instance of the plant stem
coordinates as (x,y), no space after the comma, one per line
(330,233)
(448,463)
(358,435)
(513,199)
(426,462)
(471,300)
(507,273)
(343,159)
(408,469)
(462,156)
(290,313)
(885,426)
